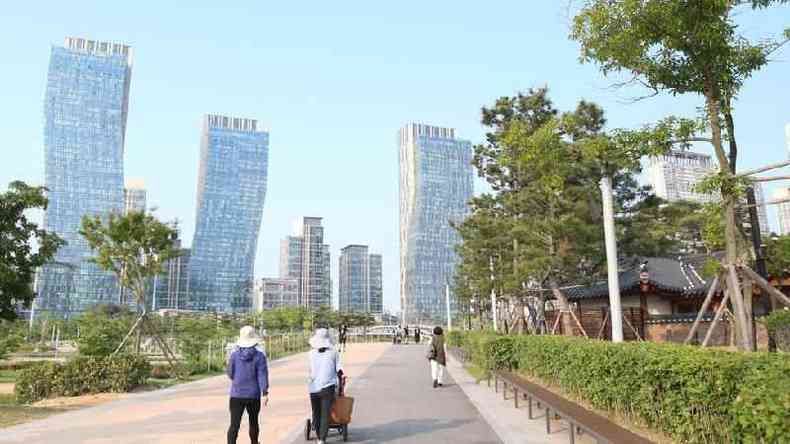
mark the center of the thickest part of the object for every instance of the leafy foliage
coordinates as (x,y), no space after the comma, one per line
(693,395)
(133,246)
(102,329)
(80,376)
(10,338)
(18,259)
(777,253)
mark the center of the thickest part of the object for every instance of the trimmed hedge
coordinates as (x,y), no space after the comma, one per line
(693,395)
(81,375)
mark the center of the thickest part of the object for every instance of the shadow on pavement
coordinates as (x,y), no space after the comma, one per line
(404,428)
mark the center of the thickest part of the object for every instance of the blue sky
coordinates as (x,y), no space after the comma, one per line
(333,81)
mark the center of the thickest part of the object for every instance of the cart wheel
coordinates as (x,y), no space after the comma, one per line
(308,426)
(345,433)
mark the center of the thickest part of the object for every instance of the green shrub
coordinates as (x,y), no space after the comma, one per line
(694,395)
(101,331)
(81,375)
(778,324)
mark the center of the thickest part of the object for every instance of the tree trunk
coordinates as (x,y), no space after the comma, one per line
(564,308)
(713,104)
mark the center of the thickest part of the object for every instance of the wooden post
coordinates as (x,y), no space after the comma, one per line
(708,298)
(763,284)
(716,318)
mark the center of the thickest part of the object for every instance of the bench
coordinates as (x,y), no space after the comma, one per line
(578,418)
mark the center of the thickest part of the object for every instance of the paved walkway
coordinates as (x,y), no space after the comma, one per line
(193,413)
(394,402)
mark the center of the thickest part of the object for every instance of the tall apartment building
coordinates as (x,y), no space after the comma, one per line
(230,196)
(85,109)
(762,212)
(376,285)
(674,175)
(783,210)
(435,187)
(271,293)
(359,286)
(134,196)
(305,257)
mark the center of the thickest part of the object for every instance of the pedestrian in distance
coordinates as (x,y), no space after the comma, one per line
(325,375)
(437,357)
(406,335)
(342,336)
(417,335)
(249,373)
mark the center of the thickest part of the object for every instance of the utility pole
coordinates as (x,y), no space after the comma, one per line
(611,259)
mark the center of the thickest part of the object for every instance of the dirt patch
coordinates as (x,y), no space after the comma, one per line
(6,388)
(79,401)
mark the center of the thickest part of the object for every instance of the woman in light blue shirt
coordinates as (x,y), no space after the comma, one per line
(325,371)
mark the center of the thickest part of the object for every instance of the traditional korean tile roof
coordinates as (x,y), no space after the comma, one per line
(677,276)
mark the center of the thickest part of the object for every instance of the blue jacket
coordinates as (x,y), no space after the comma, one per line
(248,370)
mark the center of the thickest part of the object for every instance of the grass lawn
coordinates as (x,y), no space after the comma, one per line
(159,383)
(12,413)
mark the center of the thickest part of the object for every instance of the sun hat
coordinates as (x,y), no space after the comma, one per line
(248,337)
(321,339)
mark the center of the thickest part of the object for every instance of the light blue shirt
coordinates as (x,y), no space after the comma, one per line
(323,369)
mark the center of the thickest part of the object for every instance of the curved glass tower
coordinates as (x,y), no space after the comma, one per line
(85,108)
(435,186)
(231,190)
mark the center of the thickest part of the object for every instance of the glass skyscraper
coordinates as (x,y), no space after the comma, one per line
(230,195)
(359,287)
(306,258)
(435,187)
(85,109)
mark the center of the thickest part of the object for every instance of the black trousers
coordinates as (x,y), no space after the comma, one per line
(237,407)
(321,403)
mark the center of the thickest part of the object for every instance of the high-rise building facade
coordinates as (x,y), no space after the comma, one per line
(674,175)
(783,210)
(762,212)
(271,293)
(360,282)
(134,196)
(375,285)
(305,257)
(85,109)
(435,187)
(354,279)
(230,196)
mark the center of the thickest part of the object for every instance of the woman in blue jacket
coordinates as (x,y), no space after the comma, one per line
(248,370)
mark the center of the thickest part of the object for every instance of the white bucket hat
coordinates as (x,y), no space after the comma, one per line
(321,339)
(248,337)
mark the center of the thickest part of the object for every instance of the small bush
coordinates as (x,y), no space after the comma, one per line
(694,395)
(778,324)
(81,375)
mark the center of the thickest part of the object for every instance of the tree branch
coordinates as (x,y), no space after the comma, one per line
(763,169)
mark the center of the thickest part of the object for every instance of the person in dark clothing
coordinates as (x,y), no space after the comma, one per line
(437,357)
(342,336)
(406,335)
(417,335)
(249,373)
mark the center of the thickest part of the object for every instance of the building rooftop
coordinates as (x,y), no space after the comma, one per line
(233,123)
(678,276)
(99,48)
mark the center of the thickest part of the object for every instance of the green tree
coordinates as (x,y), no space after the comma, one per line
(683,47)
(133,246)
(18,235)
(102,328)
(778,256)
